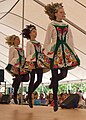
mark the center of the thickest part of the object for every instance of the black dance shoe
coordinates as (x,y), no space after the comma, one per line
(15,101)
(55,106)
(30,103)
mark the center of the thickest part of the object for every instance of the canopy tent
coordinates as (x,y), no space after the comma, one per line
(11,18)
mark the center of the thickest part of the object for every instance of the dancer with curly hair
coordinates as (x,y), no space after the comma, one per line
(16,61)
(33,64)
(59,47)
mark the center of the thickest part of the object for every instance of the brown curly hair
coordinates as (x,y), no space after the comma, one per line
(51,9)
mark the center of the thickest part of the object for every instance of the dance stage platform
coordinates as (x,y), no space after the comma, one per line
(23,112)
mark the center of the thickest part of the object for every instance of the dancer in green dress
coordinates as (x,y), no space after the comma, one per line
(59,47)
(33,65)
(16,61)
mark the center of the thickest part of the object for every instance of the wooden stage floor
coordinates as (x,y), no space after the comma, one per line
(23,112)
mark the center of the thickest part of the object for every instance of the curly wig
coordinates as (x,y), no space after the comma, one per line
(10,39)
(51,9)
(26,31)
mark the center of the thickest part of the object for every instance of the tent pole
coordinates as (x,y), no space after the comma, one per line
(81,85)
(42,87)
(40,3)
(23,22)
(65,19)
(22,45)
(67,86)
(70,87)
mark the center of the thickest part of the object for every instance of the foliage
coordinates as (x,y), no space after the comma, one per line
(63,88)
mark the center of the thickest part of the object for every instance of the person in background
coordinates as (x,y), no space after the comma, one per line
(1,97)
(16,61)
(50,99)
(77,89)
(81,103)
(33,65)
(59,47)
(37,102)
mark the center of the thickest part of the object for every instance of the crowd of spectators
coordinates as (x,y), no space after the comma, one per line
(45,99)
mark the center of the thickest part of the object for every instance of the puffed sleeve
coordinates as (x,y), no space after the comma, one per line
(13,55)
(28,49)
(48,36)
(51,35)
(70,40)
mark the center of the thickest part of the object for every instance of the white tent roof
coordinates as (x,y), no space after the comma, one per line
(11,23)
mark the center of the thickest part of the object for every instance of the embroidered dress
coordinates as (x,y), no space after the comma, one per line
(34,58)
(15,66)
(31,60)
(44,59)
(61,54)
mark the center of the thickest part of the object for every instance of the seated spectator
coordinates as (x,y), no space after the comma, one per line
(36,100)
(19,96)
(81,103)
(50,99)
(1,97)
(62,97)
(12,100)
(35,95)
(43,100)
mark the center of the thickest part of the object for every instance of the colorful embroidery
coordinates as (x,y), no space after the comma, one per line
(64,56)
(17,68)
